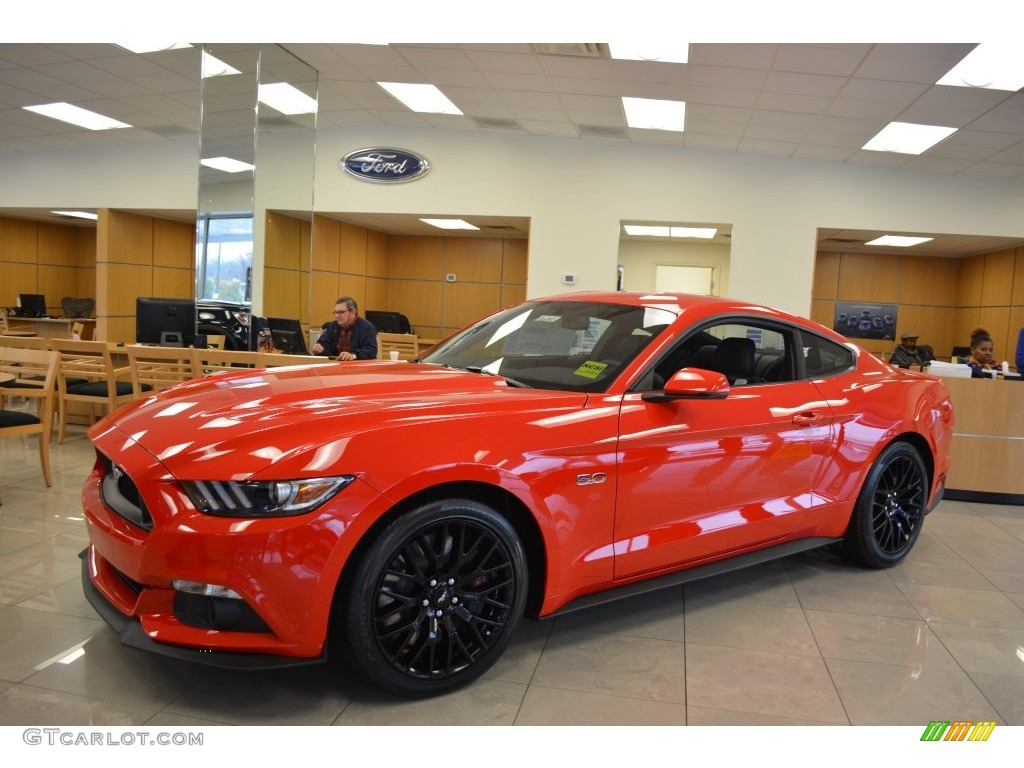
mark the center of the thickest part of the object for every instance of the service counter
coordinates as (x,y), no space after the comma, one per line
(55,327)
(987,460)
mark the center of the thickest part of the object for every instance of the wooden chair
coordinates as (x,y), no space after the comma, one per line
(406,344)
(35,370)
(155,368)
(87,374)
(207,361)
(7,328)
(25,342)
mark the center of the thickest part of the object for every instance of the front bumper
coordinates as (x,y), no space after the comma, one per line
(132,635)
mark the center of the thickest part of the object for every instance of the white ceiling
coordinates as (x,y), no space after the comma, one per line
(820,102)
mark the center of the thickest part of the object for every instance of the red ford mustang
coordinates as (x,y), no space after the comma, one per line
(405,515)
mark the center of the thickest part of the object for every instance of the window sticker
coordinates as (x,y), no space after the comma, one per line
(590,369)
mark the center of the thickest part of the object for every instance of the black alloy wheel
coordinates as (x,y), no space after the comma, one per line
(890,509)
(436,599)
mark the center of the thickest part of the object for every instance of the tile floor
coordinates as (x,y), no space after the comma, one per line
(803,641)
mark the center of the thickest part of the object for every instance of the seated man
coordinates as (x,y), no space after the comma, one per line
(349,337)
(908,353)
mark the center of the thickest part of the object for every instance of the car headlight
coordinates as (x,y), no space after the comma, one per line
(270,498)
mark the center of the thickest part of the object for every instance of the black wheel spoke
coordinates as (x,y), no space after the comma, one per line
(897,505)
(444,598)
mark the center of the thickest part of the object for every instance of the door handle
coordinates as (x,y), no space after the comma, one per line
(809,419)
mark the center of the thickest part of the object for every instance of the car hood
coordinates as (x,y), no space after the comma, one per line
(233,425)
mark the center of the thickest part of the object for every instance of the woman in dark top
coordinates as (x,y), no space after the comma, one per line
(982,351)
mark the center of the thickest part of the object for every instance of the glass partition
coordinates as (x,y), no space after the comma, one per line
(257,144)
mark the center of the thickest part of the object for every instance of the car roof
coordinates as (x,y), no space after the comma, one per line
(673,302)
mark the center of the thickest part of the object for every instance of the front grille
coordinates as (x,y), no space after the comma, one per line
(121,495)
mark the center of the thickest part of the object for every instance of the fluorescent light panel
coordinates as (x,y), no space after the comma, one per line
(449,223)
(675,54)
(226,164)
(286,98)
(655,114)
(908,138)
(898,241)
(214,67)
(997,66)
(153,47)
(422,98)
(84,118)
(646,230)
(77,214)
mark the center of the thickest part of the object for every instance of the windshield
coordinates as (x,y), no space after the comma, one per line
(572,345)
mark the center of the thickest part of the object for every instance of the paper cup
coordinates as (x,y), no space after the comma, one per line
(394,354)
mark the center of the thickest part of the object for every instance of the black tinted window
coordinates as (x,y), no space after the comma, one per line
(825,358)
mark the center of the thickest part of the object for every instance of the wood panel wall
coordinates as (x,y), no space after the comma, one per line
(139,255)
(408,274)
(286,267)
(56,260)
(940,299)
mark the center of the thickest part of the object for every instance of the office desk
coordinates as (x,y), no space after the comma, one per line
(57,327)
(988,441)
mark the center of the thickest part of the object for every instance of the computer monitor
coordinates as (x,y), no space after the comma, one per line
(287,335)
(167,322)
(32,304)
(388,322)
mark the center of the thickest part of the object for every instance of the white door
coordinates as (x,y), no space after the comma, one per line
(672,278)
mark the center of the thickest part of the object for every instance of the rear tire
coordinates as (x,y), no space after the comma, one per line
(890,510)
(434,601)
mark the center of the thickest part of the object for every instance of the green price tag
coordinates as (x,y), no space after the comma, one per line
(590,369)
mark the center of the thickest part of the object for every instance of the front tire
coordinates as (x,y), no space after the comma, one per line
(435,599)
(890,510)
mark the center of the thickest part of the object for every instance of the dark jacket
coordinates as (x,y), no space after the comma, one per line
(364,340)
(902,358)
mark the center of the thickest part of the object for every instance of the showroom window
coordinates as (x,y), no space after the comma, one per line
(224,258)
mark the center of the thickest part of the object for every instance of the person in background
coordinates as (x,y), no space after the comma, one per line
(1019,358)
(908,353)
(349,337)
(982,350)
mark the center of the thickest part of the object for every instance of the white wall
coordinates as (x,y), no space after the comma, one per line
(574,192)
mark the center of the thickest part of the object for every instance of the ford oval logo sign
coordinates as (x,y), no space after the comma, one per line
(385,165)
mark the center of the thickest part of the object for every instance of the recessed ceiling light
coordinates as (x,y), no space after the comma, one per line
(214,67)
(449,223)
(226,164)
(77,214)
(898,241)
(153,47)
(644,230)
(286,98)
(656,114)
(422,98)
(996,66)
(704,233)
(908,138)
(84,118)
(678,53)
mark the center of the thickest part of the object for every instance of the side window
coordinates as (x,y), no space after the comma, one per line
(745,352)
(824,358)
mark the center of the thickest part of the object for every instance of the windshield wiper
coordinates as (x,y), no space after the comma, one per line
(508,379)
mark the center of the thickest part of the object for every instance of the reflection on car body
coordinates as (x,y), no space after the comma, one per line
(403,516)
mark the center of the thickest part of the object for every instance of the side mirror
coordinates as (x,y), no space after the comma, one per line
(691,384)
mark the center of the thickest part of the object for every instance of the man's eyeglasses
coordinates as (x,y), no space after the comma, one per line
(340,312)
